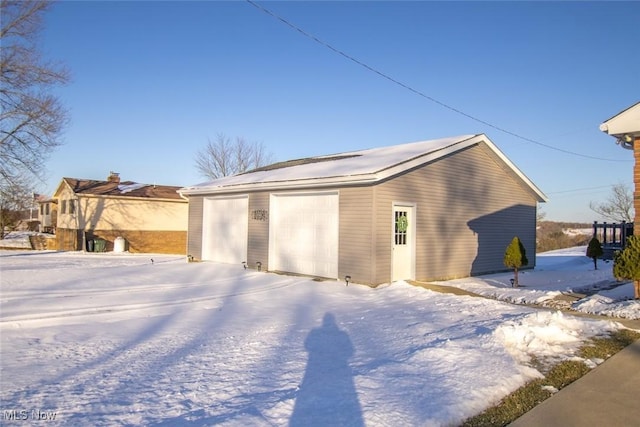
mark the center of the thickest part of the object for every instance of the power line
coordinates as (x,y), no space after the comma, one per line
(418,92)
(579,189)
(583,189)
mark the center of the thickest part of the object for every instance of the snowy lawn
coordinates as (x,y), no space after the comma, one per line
(114,339)
(564,271)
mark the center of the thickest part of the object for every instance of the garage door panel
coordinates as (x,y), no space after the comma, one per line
(304,234)
(225,229)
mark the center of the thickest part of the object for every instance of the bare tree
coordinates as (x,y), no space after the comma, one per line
(15,199)
(619,205)
(31,119)
(224,157)
(540,215)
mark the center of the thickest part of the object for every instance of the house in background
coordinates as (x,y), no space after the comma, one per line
(47,214)
(428,210)
(625,128)
(150,218)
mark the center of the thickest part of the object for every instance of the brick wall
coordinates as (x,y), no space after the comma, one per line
(40,242)
(636,180)
(157,242)
(68,239)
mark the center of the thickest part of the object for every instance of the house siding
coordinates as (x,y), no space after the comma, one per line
(258,244)
(467,211)
(194,235)
(110,213)
(356,219)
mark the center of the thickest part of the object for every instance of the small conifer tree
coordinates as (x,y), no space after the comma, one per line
(627,263)
(594,250)
(515,257)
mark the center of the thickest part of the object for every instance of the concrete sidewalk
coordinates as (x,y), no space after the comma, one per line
(606,396)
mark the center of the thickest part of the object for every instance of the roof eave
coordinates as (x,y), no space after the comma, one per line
(626,122)
(125,197)
(333,181)
(541,197)
(371,178)
(302,184)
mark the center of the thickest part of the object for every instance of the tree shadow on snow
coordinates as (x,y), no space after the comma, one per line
(327,394)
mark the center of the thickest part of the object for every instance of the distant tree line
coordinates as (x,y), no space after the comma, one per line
(552,235)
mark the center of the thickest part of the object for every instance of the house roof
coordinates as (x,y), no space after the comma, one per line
(89,187)
(624,123)
(353,168)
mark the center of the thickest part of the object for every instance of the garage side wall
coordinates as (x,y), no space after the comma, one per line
(194,236)
(356,243)
(258,245)
(468,208)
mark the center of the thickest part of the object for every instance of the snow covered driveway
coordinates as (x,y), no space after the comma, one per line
(114,339)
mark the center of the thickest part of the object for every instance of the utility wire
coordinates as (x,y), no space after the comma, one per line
(581,189)
(417,92)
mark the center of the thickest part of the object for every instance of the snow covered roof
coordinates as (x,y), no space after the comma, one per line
(350,168)
(89,187)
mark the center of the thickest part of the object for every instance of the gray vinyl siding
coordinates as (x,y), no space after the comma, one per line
(468,209)
(194,229)
(355,234)
(258,244)
(469,206)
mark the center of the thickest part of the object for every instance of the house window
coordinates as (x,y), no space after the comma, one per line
(46,209)
(72,207)
(402,223)
(63,207)
(42,209)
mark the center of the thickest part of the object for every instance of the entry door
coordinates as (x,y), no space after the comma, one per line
(403,241)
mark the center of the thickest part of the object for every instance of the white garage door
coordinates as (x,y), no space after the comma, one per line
(224,229)
(303,233)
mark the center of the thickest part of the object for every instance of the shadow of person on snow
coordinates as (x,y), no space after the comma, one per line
(327,394)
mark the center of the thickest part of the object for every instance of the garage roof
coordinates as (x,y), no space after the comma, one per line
(351,168)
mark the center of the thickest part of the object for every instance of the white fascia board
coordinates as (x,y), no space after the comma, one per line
(282,185)
(121,197)
(625,122)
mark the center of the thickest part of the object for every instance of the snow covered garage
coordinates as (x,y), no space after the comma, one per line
(425,210)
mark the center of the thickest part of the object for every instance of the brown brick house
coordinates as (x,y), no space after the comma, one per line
(150,218)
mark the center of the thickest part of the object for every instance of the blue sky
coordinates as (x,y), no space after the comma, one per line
(152,82)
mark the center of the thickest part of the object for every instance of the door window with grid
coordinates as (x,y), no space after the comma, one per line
(401,225)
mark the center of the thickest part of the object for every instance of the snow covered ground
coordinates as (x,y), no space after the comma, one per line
(103,339)
(564,271)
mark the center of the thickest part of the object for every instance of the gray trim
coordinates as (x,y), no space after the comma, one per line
(194,228)
(259,218)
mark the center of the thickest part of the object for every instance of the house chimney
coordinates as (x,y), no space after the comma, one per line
(114,177)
